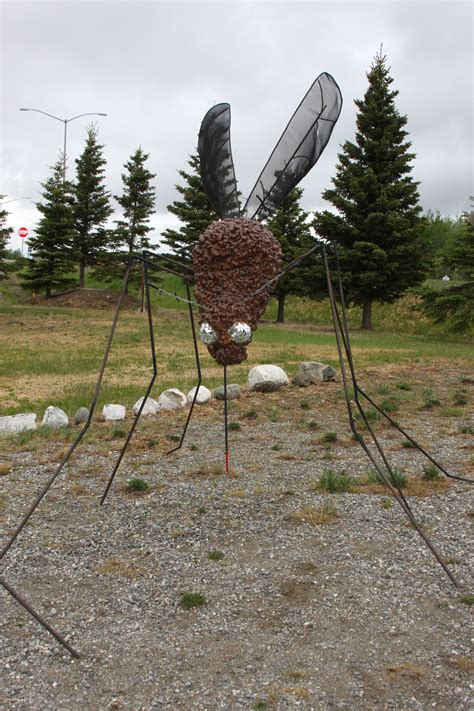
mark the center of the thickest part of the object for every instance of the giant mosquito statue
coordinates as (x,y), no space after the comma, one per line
(234,266)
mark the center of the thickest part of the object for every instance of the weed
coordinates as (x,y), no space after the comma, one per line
(260,705)
(460,398)
(329,437)
(382,389)
(174,437)
(429,399)
(250,415)
(274,414)
(431,473)
(408,444)
(234,426)
(467,599)
(215,555)
(335,482)
(207,470)
(371,415)
(469,379)
(194,448)
(304,404)
(467,429)
(151,443)
(315,515)
(118,433)
(387,503)
(451,412)
(138,486)
(390,405)
(202,510)
(403,386)
(396,478)
(190,600)
(313,425)
(276,447)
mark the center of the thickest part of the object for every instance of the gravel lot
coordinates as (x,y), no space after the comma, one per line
(352,614)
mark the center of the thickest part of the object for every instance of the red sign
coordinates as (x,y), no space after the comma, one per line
(23,232)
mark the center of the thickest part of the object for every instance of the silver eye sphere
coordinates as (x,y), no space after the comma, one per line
(207,334)
(240,333)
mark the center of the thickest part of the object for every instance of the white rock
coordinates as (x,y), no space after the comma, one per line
(151,406)
(172,399)
(113,413)
(203,396)
(267,378)
(54,417)
(12,424)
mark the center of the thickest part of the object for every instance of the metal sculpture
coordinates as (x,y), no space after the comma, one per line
(234,267)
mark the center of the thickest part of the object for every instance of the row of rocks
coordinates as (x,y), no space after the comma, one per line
(261,378)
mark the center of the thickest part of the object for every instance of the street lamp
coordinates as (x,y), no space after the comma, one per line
(65,122)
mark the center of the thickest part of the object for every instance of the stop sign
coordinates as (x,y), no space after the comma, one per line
(23,232)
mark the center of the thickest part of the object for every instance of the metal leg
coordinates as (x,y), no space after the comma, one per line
(343,343)
(226,428)
(198,366)
(81,434)
(38,617)
(148,390)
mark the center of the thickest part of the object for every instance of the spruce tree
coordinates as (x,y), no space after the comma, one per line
(5,233)
(454,303)
(51,256)
(194,211)
(377,225)
(91,204)
(290,226)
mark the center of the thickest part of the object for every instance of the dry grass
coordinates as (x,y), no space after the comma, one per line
(315,515)
(5,468)
(408,670)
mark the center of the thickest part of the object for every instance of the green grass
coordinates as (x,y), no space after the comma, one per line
(190,600)
(138,486)
(335,482)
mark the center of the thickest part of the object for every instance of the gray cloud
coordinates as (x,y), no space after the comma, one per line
(155,68)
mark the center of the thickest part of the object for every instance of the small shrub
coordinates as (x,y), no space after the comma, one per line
(371,415)
(274,414)
(429,399)
(313,425)
(467,599)
(382,389)
(215,555)
(276,447)
(335,482)
(250,415)
(467,429)
(390,405)
(234,426)
(194,448)
(190,600)
(119,433)
(404,386)
(151,443)
(138,486)
(431,473)
(202,510)
(408,444)
(396,478)
(464,378)
(460,399)
(174,437)
(387,503)
(304,404)
(329,437)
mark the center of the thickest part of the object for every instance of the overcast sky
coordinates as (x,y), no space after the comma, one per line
(156,67)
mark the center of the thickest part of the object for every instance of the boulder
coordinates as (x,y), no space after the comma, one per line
(81,416)
(233,392)
(267,378)
(55,418)
(12,424)
(172,399)
(310,373)
(151,406)
(113,413)
(203,396)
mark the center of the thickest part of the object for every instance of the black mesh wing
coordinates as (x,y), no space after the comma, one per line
(217,166)
(298,149)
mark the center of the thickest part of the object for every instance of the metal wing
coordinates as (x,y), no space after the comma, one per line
(298,149)
(217,166)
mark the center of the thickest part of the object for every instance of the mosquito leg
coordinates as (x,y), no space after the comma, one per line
(16,595)
(148,390)
(198,367)
(342,335)
(226,427)
(81,434)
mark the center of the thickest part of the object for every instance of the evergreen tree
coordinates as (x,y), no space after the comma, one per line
(91,204)
(5,233)
(194,210)
(51,257)
(440,234)
(290,226)
(377,227)
(455,302)
(137,202)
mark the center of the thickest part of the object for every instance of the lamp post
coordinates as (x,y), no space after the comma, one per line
(65,122)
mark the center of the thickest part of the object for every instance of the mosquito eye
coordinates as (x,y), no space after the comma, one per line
(240,333)
(207,333)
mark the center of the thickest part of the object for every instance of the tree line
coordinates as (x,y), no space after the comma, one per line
(385,245)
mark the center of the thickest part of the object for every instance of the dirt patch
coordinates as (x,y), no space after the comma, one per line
(87,299)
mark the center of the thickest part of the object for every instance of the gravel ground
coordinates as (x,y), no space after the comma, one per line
(352,614)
